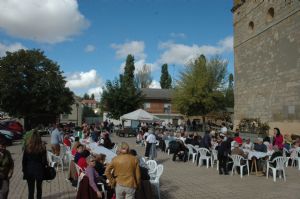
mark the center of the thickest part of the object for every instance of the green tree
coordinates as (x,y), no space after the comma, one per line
(198,89)
(165,78)
(33,87)
(229,93)
(143,77)
(121,96)
(92,96)
(86,96)
(127,79)
(117,101)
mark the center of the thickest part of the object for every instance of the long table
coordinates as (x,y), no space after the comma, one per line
(96,149)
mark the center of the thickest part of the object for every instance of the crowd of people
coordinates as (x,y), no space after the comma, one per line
(126,172)
(225,143)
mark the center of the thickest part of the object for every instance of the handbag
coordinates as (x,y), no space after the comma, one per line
(49,173)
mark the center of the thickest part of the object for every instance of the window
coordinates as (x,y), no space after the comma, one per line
(65,116)
(251,26)
(167,108)
(270,14)
(147,105)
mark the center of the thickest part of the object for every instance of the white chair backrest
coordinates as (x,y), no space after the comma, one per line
(152,165)
(167,143)
(280,162)
(298,151)
(190,147)
(115,148)
(49,157)
(215,154)
(285,151)
(159,171)
(237,159)
(203,152)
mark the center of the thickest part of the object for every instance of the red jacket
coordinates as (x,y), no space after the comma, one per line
(82,163)
(238,140)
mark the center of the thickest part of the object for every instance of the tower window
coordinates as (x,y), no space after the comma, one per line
(270,15)
(251,26)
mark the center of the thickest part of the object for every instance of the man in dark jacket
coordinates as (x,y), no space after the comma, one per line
(224,150)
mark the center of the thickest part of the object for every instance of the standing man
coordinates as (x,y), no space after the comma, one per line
(124,172)
(6,170)
(56,139)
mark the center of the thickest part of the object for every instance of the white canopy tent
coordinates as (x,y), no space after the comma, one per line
(140,115)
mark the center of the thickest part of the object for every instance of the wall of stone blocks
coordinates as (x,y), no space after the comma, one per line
(267,63)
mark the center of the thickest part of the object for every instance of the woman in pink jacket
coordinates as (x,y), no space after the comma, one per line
(278,139)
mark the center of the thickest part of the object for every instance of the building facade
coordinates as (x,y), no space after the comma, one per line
(75,116)
(159,103)
(267,62)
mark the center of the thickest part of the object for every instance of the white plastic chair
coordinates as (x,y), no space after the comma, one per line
(54,159)
(214,157)
(296,157)
(155,181)
(237,159)
(203,156)
(285,151)
(191,152)
(152,168)
(280,164)
(79,172)
(115,148)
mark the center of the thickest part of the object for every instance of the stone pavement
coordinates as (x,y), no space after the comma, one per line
(179,181)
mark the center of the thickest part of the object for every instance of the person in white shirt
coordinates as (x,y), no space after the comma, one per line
(248,145)
(151,145)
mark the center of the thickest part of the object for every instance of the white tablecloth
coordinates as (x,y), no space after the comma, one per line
(257,154)
(100,149)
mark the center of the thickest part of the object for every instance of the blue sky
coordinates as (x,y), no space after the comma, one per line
(90,39)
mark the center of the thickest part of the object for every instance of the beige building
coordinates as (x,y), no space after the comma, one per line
(76,114)
(267,62)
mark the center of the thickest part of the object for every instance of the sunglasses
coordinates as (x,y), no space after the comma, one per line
(93,161)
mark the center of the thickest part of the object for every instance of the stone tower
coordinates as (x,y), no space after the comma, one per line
(267,62)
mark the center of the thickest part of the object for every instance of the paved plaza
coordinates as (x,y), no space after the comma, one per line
(179,180)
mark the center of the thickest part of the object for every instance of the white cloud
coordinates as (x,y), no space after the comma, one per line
(11,48)
(83,79)
(178,35)
(89,48)
(136,48)
(154,84)
(97,91)
(48,21)
(175,53)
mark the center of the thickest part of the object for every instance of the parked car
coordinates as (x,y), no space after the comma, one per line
(127,131)
(13,126)
(7,136)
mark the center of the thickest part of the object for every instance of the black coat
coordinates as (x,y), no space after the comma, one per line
(33,165)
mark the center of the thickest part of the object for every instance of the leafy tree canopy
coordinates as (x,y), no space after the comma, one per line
(121,96)
(33,87)
(199,87)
